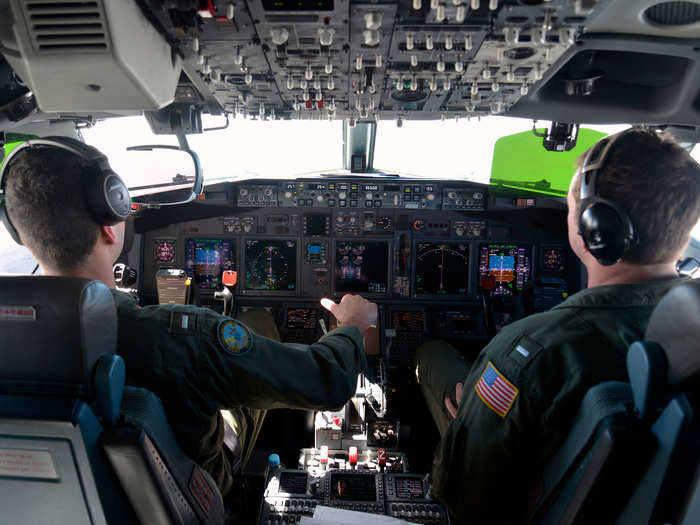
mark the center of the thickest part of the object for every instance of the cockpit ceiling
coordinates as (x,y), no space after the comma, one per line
(593,61)
(432,59)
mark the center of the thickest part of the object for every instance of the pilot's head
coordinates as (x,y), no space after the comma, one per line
(45,200)
(652,180)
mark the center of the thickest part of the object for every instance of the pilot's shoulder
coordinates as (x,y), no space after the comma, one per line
(546,327)
(171,318)
(541,338)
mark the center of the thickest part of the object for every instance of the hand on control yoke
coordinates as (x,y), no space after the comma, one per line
(353,310)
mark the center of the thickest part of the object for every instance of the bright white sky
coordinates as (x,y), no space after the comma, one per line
(454,149)
(462,149)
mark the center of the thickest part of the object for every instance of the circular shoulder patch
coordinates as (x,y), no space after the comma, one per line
(234,337)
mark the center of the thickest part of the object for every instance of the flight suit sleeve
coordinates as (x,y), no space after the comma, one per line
(272,374)
(519,401)
(196,351)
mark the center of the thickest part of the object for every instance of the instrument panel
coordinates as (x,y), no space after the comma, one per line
(426,251)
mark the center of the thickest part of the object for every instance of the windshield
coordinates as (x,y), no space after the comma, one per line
(246,149)
(280,149)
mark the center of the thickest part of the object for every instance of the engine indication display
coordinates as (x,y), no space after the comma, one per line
(504,268)
(207,259)
(165,251)
(442,268)
(553,258)
(361,267)
(271,265)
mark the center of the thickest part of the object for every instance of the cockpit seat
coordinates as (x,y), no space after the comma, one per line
(632,454)
(76,445)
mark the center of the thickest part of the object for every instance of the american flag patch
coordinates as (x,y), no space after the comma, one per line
(496,391)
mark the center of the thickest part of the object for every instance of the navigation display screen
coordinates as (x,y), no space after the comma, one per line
(206,260)
(442,268)
(362,267)
(271,265)
(353,487)
(504,268)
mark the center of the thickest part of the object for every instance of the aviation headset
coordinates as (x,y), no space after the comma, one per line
(606,228)
(106,195)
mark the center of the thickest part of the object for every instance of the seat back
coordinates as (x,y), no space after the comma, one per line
(664,371)
(632,455)
(64,408)
(54,334)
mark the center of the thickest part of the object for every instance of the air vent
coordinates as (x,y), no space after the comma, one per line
(66,26)
(673,13)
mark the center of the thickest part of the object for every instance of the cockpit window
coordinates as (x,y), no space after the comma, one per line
(246,149)
(458,150)
(499,150)
(14,259)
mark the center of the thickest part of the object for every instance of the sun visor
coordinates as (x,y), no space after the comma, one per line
(521,162)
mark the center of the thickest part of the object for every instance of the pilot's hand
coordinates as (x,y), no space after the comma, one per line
(353,310)
(448,402)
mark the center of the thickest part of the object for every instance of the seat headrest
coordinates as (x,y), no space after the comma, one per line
(52,331)
(675,325)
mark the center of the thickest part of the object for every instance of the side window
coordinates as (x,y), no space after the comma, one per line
(14,259)
(696,155)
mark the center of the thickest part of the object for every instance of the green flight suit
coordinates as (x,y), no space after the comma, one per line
(182,354)
(521,395)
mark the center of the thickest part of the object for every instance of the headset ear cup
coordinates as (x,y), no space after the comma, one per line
(604,231)
(107,197)
(5,219)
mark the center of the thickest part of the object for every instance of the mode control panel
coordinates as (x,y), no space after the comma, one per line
(356,194)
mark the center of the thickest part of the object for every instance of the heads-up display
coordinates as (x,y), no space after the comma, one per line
(362,267)
(504,268)
(206,260)
(442,268)
(271,265)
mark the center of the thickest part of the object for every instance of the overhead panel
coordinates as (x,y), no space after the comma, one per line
(336,59)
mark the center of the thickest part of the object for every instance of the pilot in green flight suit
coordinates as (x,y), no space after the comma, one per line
(197,361)
(502,417)
(207,368)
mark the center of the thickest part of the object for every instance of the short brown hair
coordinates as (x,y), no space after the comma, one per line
(44,200)
(657,183)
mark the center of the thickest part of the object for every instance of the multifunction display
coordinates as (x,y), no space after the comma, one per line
(442,268)
(504,268)
(353,487)
(271,265)
(362,267)
(207,259)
